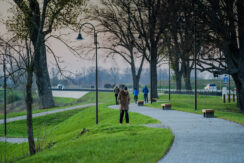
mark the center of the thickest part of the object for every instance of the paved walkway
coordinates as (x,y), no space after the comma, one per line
(21,140)
(198,139)
(71,94)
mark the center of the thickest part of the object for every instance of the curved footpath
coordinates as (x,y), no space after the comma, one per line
(198,139)
(22,140)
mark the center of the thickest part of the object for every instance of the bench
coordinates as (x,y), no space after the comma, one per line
(166,106)
(154,100)
(208,113)
(140,103)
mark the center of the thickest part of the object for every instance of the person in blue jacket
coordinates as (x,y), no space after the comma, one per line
(135,93)
(145,92)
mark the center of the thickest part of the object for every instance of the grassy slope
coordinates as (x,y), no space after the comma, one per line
(61,102)
(227,111)
(106,142)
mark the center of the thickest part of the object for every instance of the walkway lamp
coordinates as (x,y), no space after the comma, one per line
(95,42)
(179,19)
(5,96)
(169,78)
(195,56)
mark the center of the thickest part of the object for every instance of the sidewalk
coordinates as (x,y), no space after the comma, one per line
(198,139)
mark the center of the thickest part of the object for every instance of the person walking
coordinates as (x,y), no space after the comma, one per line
(116,93)
(145,92)
(124,100)
(135,93)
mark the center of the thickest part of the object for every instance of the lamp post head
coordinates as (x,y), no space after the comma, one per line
(79,37)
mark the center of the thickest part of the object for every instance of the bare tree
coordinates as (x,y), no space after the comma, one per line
(150,19)
(39,19)
(224,22)
(23,59)
(115,19)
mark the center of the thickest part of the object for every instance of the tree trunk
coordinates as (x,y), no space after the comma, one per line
(178,77)
(239,81)
(135,78)
(28,101)
(187,75)
(235,62)
(154,77)
(136,75)
(42,78)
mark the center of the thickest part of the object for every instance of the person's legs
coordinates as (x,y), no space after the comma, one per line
(127,116)
(116,99)
(121,116)
(135,98)
(145,98)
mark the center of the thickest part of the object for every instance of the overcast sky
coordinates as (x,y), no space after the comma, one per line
(70,62)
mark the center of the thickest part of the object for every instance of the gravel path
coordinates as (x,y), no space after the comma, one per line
(198,139)
(21,140)
(71,94)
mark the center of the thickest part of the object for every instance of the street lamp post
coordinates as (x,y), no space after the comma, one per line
(4,96)
(95,42)
(195,56)
(151,78)
(169,78)
(229,89)
(179,19)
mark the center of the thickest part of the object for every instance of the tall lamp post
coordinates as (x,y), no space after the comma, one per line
(169,78)
(95,42)
(179,19)
(4,96)
(195,56)
(151,79)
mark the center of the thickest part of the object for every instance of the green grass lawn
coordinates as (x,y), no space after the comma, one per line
(228,111)
(61,141)
(61,102)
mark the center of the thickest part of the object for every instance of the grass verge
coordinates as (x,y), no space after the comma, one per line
(61,139)
(228,111)
(61,102)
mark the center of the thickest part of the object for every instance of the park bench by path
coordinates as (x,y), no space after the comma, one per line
(208,113)
(166,106)
(154,100)
(140,103)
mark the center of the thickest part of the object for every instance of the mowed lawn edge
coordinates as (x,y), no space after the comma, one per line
(227,111)
(99,143)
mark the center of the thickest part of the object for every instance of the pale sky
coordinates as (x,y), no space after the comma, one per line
(69,61)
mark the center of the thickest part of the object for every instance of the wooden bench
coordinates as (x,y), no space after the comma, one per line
(208,113)
(154,100)
(166,106)
(140,103)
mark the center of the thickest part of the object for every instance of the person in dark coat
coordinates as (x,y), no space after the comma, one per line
(116,93)
(124,100)
(145,92)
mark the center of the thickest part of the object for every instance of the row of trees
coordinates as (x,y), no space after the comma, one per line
(30,26)
(112,76)
(154,30)
(138,31)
